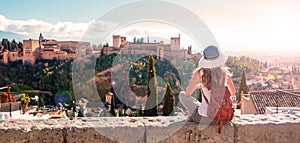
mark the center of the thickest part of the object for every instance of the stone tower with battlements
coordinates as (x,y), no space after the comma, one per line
(117,40)
(175,43)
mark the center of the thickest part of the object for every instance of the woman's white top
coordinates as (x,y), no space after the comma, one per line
(202,110)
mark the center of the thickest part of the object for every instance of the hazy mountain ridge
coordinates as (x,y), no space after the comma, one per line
(275,57)
(10,36)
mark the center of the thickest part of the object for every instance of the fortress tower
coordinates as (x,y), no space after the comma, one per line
(41,38)
(175,43)
(117,40)
(30,51)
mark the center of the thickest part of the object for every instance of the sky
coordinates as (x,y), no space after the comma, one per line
(238,25)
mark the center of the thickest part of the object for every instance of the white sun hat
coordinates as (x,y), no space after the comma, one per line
(212,57)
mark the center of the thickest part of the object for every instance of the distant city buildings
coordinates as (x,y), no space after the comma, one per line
(284,77)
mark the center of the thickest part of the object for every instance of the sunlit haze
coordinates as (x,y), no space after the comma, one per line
(240,27)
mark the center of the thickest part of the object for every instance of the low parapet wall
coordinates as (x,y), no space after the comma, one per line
(245,128)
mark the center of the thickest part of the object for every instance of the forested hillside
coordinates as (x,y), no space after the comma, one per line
(237,64)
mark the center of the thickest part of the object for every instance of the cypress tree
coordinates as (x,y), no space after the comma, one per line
(169,102)
(151,106)
(140,111)
(121,111)
(243,87)
(102,52)
(112,106)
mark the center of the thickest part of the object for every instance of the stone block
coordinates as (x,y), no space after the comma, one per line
(121,130)
(245,129)
(178,130)
(21,136)
(191,132)
(284,133)
(84,135)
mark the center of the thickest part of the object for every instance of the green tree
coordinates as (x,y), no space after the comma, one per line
(25,99)
(112,106)
(6,44)
(169,102)
(151,106)
(243,87)
(106,45)
(20,46)
(102,52)
(14,45)
(142,40)
(121,111)
(140,111)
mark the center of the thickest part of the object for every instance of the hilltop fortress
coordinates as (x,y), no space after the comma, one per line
(139,47)
(50,49)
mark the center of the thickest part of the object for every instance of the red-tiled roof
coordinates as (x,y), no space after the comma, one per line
(274,98)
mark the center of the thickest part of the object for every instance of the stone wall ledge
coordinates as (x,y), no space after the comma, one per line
(243,128)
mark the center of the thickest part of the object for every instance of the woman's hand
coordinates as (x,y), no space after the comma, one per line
(198,85)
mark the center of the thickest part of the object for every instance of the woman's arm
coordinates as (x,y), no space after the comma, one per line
(231,86)
(192,85)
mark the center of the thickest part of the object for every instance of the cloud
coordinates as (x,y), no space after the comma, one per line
(60,30)
(96,31)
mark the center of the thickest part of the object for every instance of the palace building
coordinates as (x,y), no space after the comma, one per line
(48,49)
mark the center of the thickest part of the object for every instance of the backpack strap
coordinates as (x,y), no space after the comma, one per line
(221,122)
(205,98)
(220,127)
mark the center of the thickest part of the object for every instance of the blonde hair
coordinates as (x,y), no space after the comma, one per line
(213,76)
